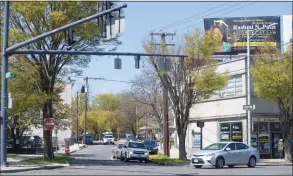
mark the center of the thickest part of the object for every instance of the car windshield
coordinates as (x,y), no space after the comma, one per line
(216,146)
(136,145)
(108,137)
(150,143)
(88,137)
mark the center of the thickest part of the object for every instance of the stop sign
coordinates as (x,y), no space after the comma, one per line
(49,123)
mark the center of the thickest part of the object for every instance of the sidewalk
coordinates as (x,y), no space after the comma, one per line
(16,163)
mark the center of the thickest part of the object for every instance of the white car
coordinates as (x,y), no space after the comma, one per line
(109,139)
(116,152)
(226,154)
(134,151)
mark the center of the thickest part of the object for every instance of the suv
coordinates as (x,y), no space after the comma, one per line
(134,151)
(32,141)
(108,139)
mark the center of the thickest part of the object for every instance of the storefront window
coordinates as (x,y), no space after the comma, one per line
(264,145)
(263,127)
(254,140)
(236,131)
(231,131)
(275,126)
(255,127)
(225,132)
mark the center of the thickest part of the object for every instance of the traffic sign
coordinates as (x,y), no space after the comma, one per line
(248,107)
(49,123)
(10,75)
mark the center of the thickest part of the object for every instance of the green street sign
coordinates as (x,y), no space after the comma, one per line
(10,75)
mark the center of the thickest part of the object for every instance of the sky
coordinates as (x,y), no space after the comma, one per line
(143,17)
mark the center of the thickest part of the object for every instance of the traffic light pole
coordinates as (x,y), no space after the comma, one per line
(85,109)
(77,118)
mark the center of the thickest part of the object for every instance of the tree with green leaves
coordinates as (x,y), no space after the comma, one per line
(27,22)
(190,81)
(272,76)
(107,102)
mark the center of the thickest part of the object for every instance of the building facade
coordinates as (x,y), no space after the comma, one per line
(225,119)
(60,135)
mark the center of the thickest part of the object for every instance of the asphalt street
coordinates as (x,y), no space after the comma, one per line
(96,160)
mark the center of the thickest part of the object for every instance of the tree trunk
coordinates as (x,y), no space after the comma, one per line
(161,136)
(47,113)
(182,150)
(288,148)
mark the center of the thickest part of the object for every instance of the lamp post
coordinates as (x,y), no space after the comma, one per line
(248,81)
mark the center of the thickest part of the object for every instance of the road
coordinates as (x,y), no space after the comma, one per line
(96,160)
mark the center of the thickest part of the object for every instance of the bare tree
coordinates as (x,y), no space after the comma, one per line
(189,81)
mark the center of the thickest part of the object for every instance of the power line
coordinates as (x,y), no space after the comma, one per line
(101,79)
(220,14)
(166,26)
(200,17)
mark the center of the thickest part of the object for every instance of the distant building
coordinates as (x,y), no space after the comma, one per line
(66,96)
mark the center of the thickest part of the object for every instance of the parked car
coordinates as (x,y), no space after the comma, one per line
(134,151)
(108,139)
(131,138)
(152,146)
(31,141)
(89,139)
(226,154)
(116,152)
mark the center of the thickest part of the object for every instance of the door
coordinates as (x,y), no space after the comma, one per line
(275,140)
(231,155)
(243,153)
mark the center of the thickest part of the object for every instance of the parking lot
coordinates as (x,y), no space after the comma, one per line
(96,160)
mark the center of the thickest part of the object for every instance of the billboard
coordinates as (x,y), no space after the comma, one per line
(233,32)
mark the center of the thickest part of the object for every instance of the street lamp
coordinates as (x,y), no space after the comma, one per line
(248,81)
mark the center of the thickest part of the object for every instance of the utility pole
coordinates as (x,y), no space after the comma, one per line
(165,91)
(77,118)
(85,109)
(137,131)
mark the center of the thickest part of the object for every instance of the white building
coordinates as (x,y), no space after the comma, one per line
(223,115)
(66,96)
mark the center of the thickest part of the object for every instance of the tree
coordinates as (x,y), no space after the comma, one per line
(108,102)
(26,99)
(272,76)
(26,22)
(98,120)
(130,113)
(190,81)
(147,90)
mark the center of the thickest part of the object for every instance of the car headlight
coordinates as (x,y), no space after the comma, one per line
(211,154)
(146,153)
(130,151)
(155,148)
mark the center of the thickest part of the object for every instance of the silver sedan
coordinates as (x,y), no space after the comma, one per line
(226,154)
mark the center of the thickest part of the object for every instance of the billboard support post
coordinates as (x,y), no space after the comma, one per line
(248,90)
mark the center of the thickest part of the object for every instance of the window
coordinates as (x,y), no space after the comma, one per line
(231,131)
(241,146)
(233,87)
(231,146)
(215,146)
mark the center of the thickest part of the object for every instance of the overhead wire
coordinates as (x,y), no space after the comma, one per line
(220,14)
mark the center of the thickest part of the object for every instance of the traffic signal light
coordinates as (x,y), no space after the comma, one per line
(117,63)
(137,62)
(70,37)
(82,89)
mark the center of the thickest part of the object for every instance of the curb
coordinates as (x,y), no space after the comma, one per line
(169,164)
(34,168)
(274,164)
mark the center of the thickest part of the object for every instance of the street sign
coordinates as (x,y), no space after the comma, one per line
(200,124)
(10,75)
(248,107)
(49,124)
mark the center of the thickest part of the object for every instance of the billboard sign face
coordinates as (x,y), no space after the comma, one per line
(233,32)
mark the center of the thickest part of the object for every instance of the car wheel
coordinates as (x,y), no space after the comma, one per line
(198,166)
(230,166)
(220,163)
(251,162)
(121,158)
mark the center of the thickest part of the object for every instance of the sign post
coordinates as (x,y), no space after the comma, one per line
(200,125)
